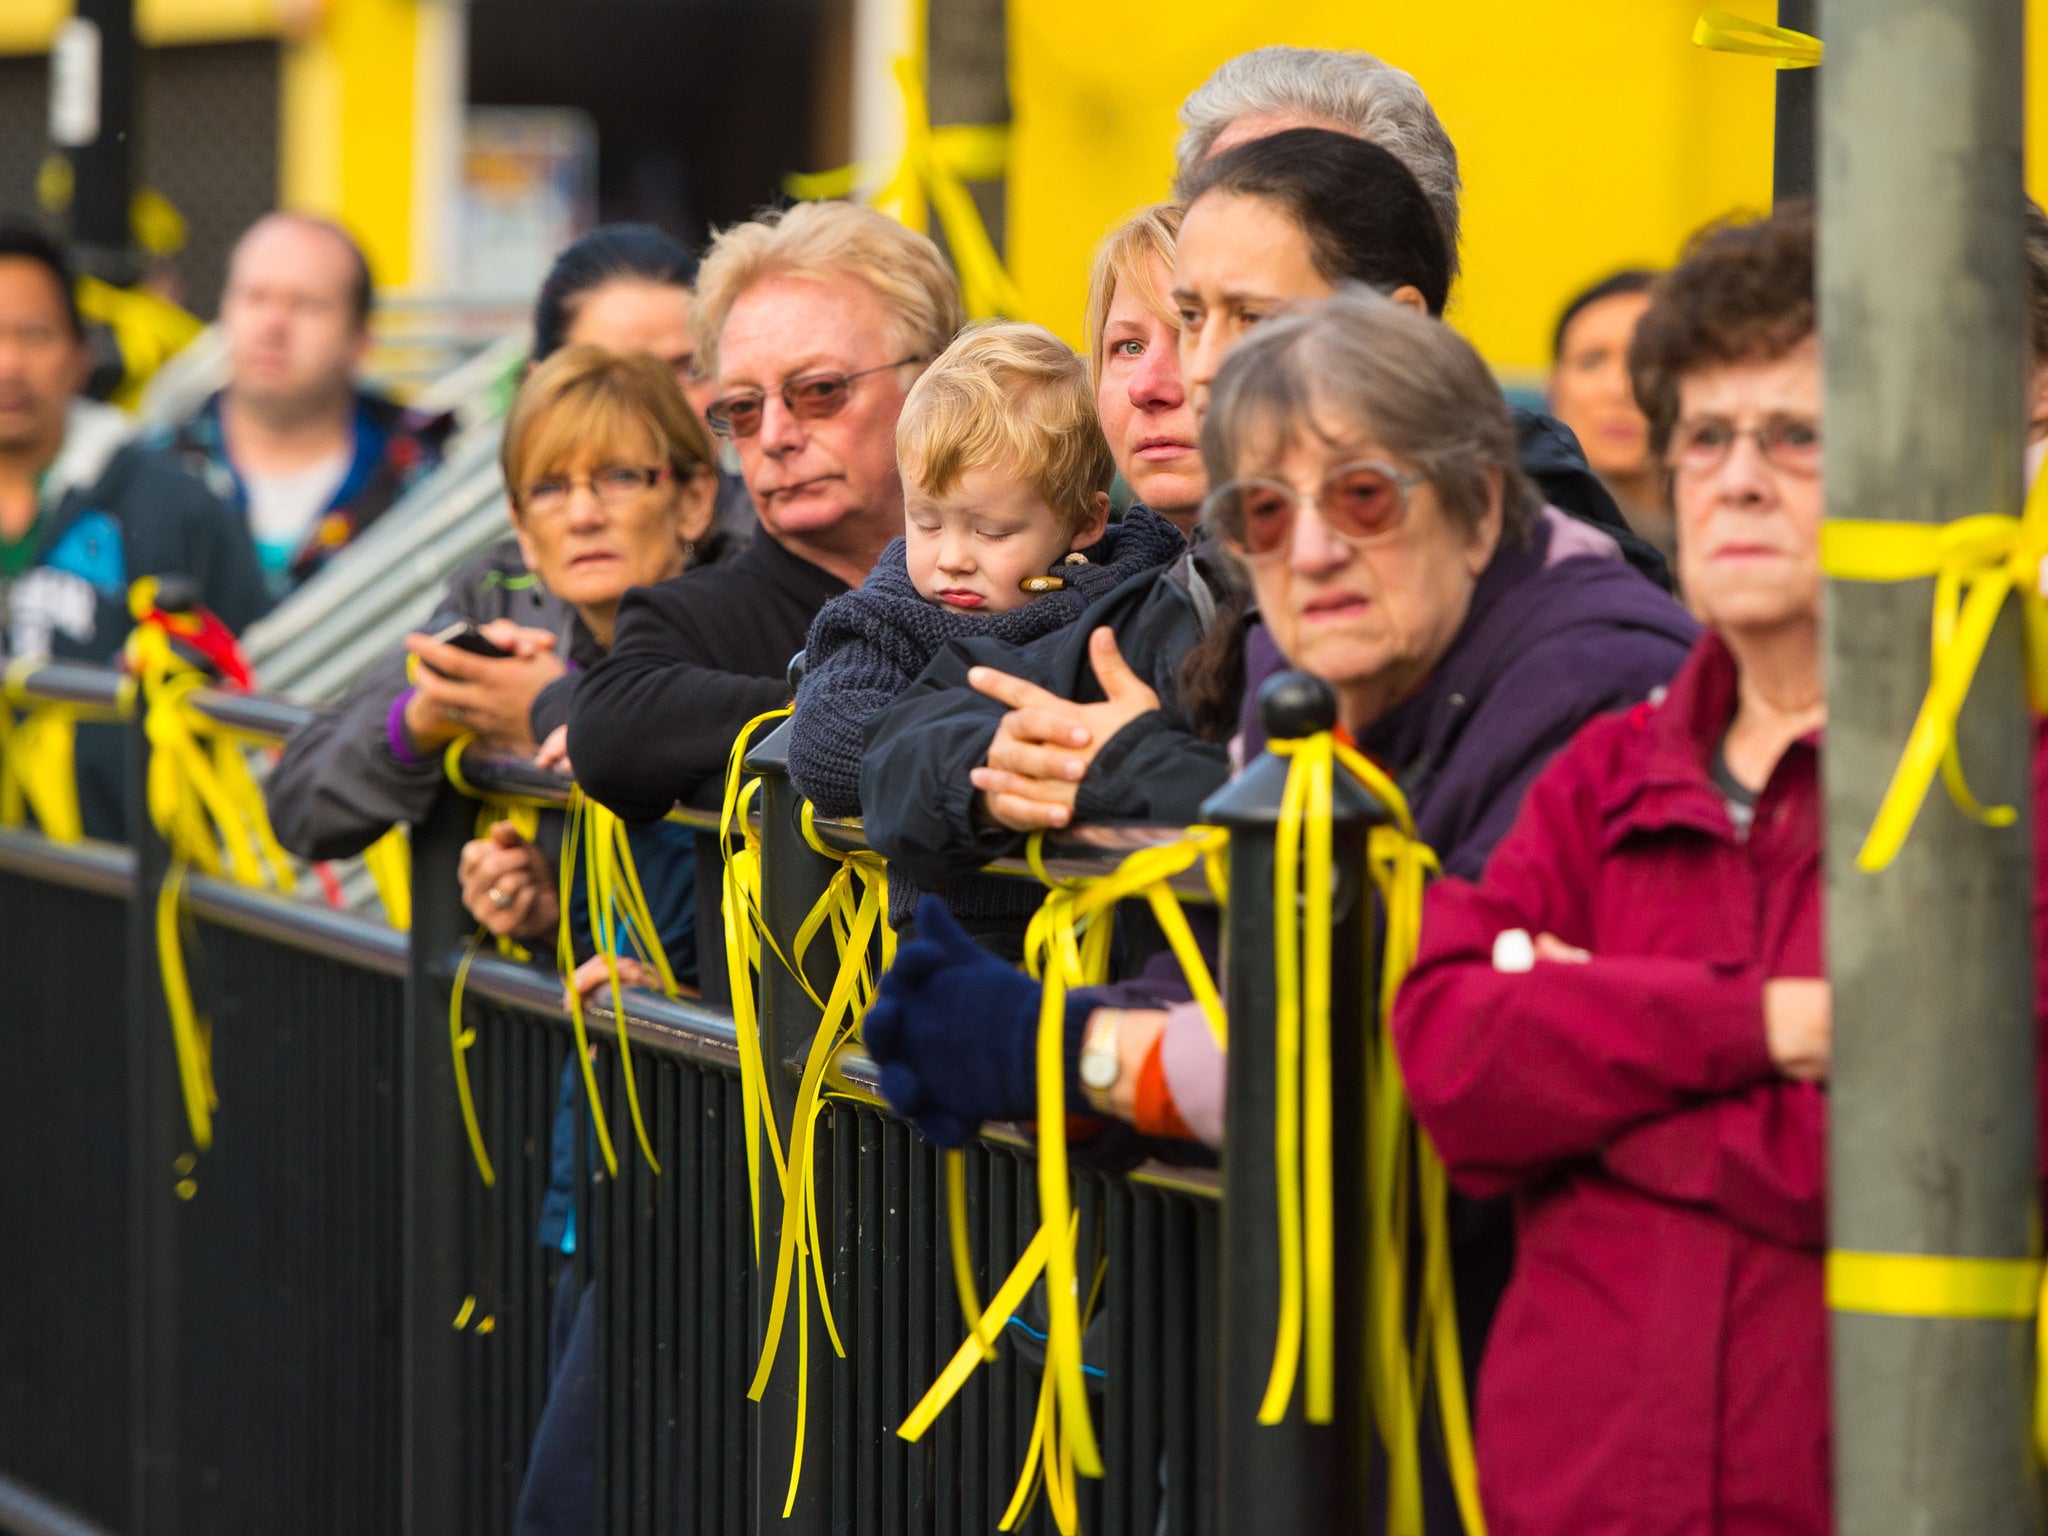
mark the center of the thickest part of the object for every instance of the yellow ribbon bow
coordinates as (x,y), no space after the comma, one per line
(1975,562)
(38,769)
(1726,32)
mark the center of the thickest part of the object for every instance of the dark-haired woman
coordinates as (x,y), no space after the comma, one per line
(351,775)
(1588,390)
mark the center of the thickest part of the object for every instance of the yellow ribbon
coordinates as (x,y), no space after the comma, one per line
(855,921)
(1932,1285)
(1726,32)
(1975,562)
(204,803)
(1404,1172)
(1067,945)
(389,861)
(746,934)
(38,769)
(935,167)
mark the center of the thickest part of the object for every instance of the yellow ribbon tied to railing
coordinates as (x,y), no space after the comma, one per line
(855,906)
(38,753)
(1406,1180)
(1067,945)
(747,940)
(1726,32)
(1976,563)
(935,167)
(204,803)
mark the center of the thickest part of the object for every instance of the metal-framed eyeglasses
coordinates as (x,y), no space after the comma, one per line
(614,486)
(1360,503)
(809,396)
(1701,445)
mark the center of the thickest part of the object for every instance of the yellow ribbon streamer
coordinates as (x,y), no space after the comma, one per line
(206,806)
(38,769)
(935,167)
(856,921)
(1726,32)
(1067,945)
(1975,562)
(1404,1174)
(746,934)
(389,861)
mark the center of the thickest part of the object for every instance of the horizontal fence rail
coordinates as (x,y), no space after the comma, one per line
(327,1322)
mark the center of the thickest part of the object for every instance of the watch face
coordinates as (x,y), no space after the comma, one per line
(1099,1069)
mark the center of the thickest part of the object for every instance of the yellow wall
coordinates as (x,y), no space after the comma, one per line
(1591,136)
(348,130)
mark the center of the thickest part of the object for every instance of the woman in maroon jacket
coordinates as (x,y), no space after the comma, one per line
(1623,1023)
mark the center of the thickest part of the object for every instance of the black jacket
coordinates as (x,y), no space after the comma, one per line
(692,661)
(919,750)
(869,645)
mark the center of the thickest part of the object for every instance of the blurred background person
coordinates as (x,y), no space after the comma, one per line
(85,511)
(1588,390)
(374,762)
(296,443)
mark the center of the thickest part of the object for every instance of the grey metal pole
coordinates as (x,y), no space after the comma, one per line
(1311,1479)
(1932,1092)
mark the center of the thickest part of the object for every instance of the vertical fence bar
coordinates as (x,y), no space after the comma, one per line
(1932,1092)
(1292,1475)
(793,877)
(159,1139)
(433,1440)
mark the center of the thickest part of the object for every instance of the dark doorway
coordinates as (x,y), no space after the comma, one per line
(701,106)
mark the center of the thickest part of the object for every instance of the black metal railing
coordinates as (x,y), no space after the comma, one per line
(326,1322)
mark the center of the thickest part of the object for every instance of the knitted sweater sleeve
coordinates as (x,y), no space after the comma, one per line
(848,679)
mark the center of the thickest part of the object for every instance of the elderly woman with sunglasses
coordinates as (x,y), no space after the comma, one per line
(814,323)
(1367,489)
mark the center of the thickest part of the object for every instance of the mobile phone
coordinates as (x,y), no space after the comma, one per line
(465,636)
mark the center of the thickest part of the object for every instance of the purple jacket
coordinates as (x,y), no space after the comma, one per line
(1560,630)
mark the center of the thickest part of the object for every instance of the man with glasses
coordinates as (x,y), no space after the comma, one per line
(813,323)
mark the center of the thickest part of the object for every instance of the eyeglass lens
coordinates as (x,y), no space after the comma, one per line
(1357,502)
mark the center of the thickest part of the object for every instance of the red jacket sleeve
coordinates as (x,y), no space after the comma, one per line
(1514,1073)
(1758,1158)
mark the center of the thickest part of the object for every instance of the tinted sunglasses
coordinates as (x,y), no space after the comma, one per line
(1359,502)
(809,396)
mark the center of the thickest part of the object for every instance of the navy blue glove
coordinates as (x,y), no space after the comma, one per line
(955,1032)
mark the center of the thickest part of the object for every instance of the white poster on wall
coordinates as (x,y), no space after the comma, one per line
(529,187)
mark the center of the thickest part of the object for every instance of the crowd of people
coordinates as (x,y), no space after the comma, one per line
(1032,589)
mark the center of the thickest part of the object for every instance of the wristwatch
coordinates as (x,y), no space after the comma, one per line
(1101,1065)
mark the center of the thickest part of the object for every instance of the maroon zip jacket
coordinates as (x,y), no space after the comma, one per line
(1659,1364)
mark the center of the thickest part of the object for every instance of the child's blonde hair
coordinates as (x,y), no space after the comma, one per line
(1011,396)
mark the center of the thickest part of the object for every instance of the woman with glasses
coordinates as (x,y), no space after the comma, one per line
(813,324)
(612,478)
(1624,1023)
